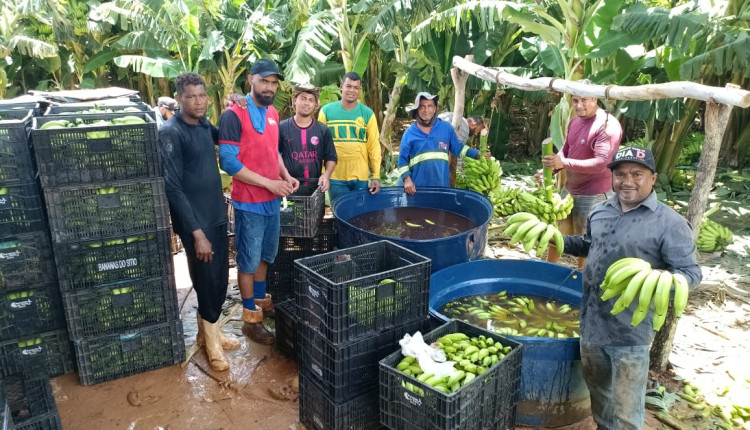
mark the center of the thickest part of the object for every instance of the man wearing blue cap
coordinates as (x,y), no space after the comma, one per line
(423,157)
(632,223)
(249,151)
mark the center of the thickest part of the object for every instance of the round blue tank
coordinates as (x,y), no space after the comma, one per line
(443,252)
(553,392)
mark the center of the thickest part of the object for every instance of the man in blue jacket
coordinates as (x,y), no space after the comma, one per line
(423,157)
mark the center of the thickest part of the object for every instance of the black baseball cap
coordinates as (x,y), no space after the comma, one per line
(631,154)
(265,68)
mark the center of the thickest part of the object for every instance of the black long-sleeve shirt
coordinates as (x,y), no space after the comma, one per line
(652,231)
(191,174)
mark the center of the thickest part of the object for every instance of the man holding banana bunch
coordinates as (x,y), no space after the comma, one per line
(633,223)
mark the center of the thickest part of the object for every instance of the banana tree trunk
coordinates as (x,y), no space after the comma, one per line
(670,140)
(716,119)
(386,130)
(459,87)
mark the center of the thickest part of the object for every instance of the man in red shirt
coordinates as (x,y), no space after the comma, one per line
(593,137)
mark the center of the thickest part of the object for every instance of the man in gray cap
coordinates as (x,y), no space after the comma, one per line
(423,157)
(165,107)
(632,223)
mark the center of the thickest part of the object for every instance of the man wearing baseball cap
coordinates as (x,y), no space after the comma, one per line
(423,157)
(632,223)
(249,151)
(305,144)
(165,107)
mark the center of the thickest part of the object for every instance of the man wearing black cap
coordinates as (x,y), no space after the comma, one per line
(423,157)
(633,223)
(249,151)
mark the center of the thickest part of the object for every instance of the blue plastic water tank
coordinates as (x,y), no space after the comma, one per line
(553,392)
(443,252)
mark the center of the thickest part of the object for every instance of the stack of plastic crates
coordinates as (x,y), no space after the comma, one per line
(109,223)
(34,345)
(355,305)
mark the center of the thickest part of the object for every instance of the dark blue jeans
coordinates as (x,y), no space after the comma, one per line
(616,377)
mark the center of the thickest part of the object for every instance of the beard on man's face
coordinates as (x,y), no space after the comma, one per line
(265,100)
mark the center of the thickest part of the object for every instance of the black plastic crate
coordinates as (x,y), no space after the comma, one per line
(48,421)
(11,105)
(26,260)
(16,159)
(109,357)
(74,109)
(41,355)
(304,211)
(89,263)
(100,211)
(287,320)
(28,399)
(29,311)
(488,402)
(85,155)
(319,412)
(21,209)
(280,275)
(359,291)
(346,371)
(114,308)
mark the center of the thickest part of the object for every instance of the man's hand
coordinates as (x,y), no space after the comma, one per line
(553,161)
(539,176)
(236,99)
(281,188)
(409,187)
(374,186)
(323,183)
(294,182)
(203,249)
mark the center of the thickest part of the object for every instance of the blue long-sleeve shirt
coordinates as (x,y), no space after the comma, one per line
(652,231)
(424,157)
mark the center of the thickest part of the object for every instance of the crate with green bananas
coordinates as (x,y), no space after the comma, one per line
(630,278)
(26,260)
(113,356)
(481,394)
(30,310)
(99,211)
(37,356)
(120,306)
(362,290)
(95,148)
(16,160)
(85,264)
(21,209)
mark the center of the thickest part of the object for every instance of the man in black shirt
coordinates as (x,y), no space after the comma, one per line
(196,204)
(304,143)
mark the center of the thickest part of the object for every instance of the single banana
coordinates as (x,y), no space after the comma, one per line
(625,273)
(681,290)
(533,235)
(520,217)
(617,265)
(661,296)
(559,242)
(545,238)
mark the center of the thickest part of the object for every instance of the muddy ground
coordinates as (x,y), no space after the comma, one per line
(712,347)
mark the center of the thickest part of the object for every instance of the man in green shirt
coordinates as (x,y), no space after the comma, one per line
(357,140)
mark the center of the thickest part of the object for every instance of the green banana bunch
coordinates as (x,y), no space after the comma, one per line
(483,175)
(526,228)
(713,237)
(632,277)
(473,356)
(504,200)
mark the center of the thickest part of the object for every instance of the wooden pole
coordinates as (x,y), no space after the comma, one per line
(681,89)
(459,86)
